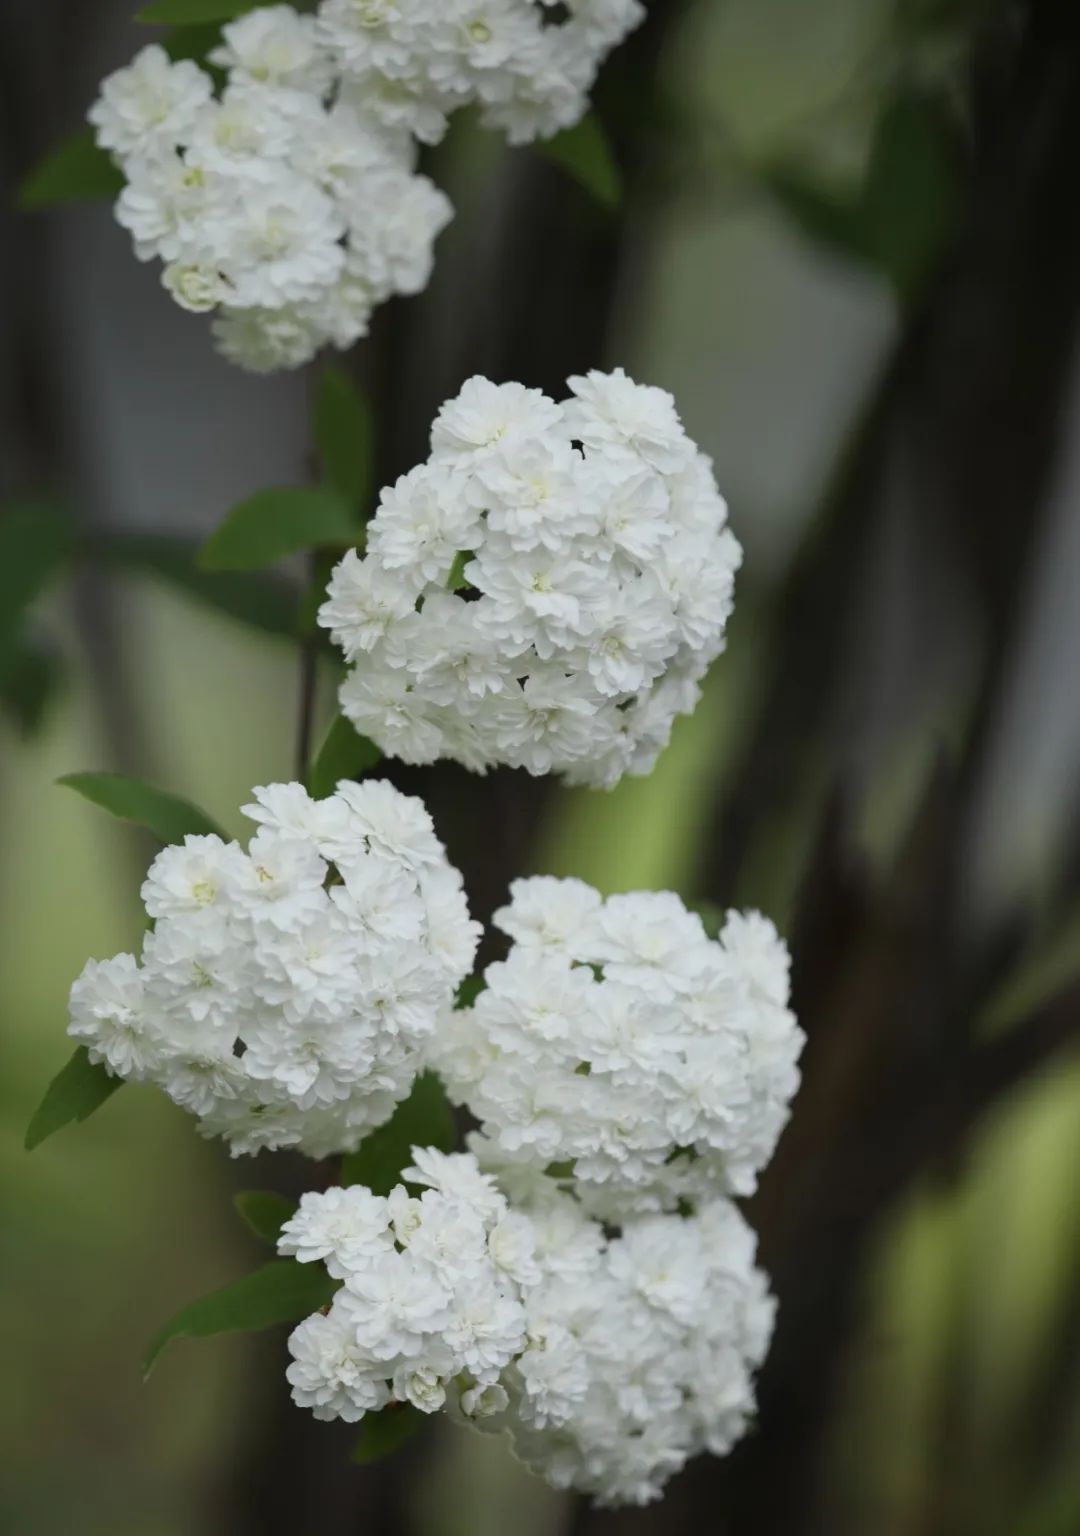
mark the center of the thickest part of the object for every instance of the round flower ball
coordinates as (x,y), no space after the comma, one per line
(546,591)
(642,1348)
(285,993)
(620,1047)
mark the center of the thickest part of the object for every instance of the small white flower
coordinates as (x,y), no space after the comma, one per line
(484,1402)
(151,104)
(108,1017)
(276,46)
(484,417)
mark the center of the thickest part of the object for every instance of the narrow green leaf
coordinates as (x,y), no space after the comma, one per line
(264,1211)
(1048,972)
(263,600)
(169,817)
(30,679)
(190,12)
(344,754)
(345,437)
(76,171)
(273,524)
(456,579)
(74,1093)
(282,1291)
(423,1120)
(36,542)
(585,153)
(382,1434)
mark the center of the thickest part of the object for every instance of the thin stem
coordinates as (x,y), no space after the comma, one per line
(305,720)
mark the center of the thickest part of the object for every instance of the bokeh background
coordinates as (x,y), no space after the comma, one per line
(849,242)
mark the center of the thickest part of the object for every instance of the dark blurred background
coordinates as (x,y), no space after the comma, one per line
(850,245)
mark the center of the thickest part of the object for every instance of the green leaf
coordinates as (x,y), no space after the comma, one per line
(560,1172)
(273,524)
(820,213)
(712,916)
(194,43)
(260,599)
(282,1291)
(585,153)
(189,12)
(1045,974)
(76,171)
(456,579)
(423,1120)
(384,1433)
(36,542)
(30,679)
(470,990)
(74,1093)
(345,438)
(264,1211)
(169,817)
(344,754)
(900,218)
(912,189)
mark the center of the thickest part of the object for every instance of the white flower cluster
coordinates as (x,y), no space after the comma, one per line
(619,1042)
(642,1348)
(284,994)
(546,591)
(289,201)
(608,1361)
(431,1294)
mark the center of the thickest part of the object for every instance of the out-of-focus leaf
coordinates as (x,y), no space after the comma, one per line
(819,212)
(345,437)
(282,1291)
(901,217)
(585,153)
(191,12)
(712,916)
(264,1212)
(264,600)
(74,1093)
(344,754)
(382,1434)
(76,171)
(1049,971)
(169,817)
(30,679)
(273,524)
(194,43)
(36,543)
(423,1120)
(911,194)
(320,567)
